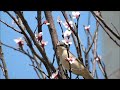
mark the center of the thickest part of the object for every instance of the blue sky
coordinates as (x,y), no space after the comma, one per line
(18,63)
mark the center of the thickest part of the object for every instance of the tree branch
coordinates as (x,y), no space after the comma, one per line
(105,25)
(54,36)
(17,50)
(3,62)
(34,65)
(35,42)
(115,29)
(78,41)
(30,43)
(104,28)
(10,26)
(40,71)
(39,21)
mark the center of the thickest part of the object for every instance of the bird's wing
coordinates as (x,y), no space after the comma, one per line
(75,57)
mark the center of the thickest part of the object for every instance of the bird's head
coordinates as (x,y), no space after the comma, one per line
(61,45)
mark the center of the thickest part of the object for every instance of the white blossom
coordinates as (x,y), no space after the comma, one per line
(43,43)
(75,14)
(19,41)
(46,22)
(98,58)
(39,36)
(67,26)
(87,27)
(67,33)
(71,60)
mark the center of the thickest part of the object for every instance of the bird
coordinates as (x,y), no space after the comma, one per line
(72,63)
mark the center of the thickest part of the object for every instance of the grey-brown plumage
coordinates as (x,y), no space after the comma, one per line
(77,67)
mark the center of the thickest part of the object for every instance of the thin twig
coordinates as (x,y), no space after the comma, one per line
(102,69)
(17,50)
(39,21)
(40,71)
(61,29)
(35,29)
(88,44)
(75,42)
(21,51)
(115,29)
(10,26)
(5,70)
(34,65)
(54,56)
(95,49)
(92,42)
(78,41)
(105,25)
(104,28)
(93,67)
(39,66)
(96,74)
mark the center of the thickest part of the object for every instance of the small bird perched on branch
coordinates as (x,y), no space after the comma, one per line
(70,62)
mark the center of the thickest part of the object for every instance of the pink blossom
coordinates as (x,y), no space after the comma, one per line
(67,26)
(67,33)
(44,43)
(87,27)
(75,14)
(19,41)
(54,75)
(70,60)
(98,58)
(39,36)
(46,22)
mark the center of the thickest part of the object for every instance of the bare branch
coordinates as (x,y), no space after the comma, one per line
(92,42)
(40,71)
(38,65)
(3,62)
(54,36)
(61,29)
(39,21)
(95,49)
(105,25)
(17,50)
(104,28)
(10,26)
(88,43)
(102,69)
(34,65)
(115,29)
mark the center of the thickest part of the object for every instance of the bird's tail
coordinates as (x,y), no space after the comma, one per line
(86,74)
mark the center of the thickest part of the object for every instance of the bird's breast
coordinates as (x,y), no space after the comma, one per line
(64,62)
